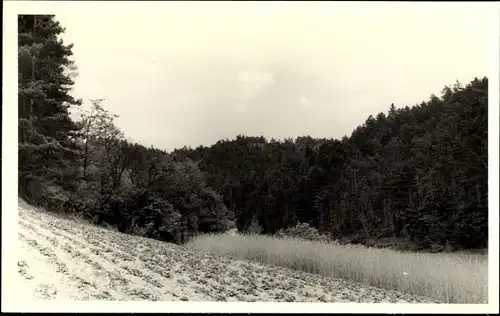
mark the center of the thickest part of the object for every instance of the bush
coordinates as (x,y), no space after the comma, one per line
(302,231)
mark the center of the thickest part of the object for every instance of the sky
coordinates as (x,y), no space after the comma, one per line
(192,73)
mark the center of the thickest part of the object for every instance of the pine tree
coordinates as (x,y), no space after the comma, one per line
(48,148)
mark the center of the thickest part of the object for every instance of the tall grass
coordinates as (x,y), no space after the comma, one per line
(449,278)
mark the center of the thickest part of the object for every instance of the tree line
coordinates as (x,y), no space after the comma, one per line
(87,166)
(418,173)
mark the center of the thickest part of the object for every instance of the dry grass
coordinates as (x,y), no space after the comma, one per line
(449,278)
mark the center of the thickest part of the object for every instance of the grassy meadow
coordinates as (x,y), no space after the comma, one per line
(447,277)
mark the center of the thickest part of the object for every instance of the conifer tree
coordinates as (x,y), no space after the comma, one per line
(48,149)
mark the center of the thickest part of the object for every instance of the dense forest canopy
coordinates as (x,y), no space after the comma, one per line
(416,173)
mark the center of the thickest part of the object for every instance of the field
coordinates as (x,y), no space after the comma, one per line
(448,277)
(64,259)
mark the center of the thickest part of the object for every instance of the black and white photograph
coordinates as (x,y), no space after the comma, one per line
(251,152)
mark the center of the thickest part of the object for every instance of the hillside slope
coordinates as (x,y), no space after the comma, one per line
(65,259)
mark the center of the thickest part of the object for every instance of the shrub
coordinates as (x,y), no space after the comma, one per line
(302,231)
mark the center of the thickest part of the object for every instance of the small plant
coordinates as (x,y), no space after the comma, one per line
(254,227)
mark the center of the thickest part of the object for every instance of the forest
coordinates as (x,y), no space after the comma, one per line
(418,173)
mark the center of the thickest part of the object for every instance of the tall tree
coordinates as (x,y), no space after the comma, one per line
(48,147)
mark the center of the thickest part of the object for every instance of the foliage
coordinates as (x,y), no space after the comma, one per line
(47,148)
(302,231)
(416,172)
(254,228)
(88,167)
